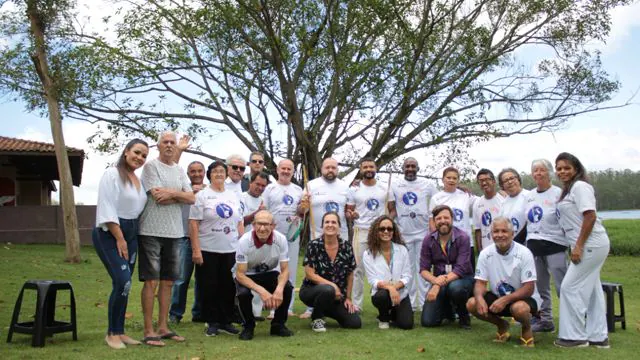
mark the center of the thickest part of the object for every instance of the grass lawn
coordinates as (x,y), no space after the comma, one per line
(92,286)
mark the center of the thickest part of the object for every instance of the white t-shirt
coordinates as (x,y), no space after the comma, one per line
(399,268)
(370,202)
(266,258)
(229,184)
(249,204)
(163,220)
(570,212)
(484,211)
(219,214)
(325,197)
(507,273)
(542,218)
(460,202)
(411,201)
(117,199)
(282,201)
(513,208)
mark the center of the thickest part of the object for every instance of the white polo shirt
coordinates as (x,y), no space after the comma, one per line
(399,268)
(264,259)
(580,198)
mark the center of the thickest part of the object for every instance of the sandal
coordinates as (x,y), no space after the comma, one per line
(150,340)
(171,335)
(502,338)
(527,342)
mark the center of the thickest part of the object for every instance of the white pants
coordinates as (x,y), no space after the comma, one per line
(554,265)
(294,250)
(418,288)
(359,247)
(582,307)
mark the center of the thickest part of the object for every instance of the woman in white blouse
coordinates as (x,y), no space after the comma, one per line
(121,199)
(388,269)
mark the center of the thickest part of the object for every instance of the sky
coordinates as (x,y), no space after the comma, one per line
(602,140)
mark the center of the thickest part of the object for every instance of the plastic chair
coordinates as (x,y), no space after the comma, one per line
(610,289)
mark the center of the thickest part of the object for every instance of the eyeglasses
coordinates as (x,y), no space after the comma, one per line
(260,224)
(237,167)
(385,229)
(254,161)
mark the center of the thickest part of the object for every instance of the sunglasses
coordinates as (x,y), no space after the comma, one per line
(257,161)
(237,167)
(385,229)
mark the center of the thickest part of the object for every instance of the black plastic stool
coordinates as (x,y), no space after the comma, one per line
(44,323)
(610,289)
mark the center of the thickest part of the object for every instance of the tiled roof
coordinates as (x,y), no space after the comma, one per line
(8,144)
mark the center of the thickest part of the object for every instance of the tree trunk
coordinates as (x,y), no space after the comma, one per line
(67,201)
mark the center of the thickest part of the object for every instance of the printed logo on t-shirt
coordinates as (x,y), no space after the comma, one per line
(224,211)
(410,198)
(457,214)
(226,230)
(505,289)
(516,225)
(535,214)
(529,274)
(331,206)
(261,268)
(487,218)
(287,199)
(240,257)
(412,215)
(372,204)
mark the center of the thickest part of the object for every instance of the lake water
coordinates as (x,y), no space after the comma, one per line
(619,214)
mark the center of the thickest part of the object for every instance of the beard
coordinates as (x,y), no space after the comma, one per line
(329,176)
(444,229)
(369,175)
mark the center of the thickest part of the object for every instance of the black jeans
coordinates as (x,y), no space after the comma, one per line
(216,289)
(323,300)
(453,295)
(401,314)
(269,281)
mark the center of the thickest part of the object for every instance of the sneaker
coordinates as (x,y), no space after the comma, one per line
(228,329)
(246,334)
(383,325)
(464,322)
(604,344)
(280,330)
(211,330)
(571,343)
(259,318)
(317,325)
(543,326)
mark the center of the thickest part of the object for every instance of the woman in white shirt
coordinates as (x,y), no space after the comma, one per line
(121,199)
(215,224)
(388,269)
(513,205)
(582,307)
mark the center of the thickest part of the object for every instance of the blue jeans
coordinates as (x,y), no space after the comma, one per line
(453,295)
(180,286)
(118,268)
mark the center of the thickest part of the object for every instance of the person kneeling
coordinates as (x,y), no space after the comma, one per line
(509,269)
(447,250)
(258,255)
(388,269)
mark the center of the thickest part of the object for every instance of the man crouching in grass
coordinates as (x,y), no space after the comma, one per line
(509,269)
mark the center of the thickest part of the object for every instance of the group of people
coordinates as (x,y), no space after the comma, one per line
(413,244)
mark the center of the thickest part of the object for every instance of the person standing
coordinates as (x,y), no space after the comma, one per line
(582,307)
(256,166)
(366,202)
(325,194)
(514,204)
(121,199)
(545,239)
(485,209)
(160,232)
(195,172)
(283,199)
(409,207)
(235,169)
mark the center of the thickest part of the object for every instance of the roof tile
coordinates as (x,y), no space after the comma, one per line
(8,144)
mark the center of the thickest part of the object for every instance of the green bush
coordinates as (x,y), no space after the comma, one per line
(624,236)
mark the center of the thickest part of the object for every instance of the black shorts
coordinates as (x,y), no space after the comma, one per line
(159,258)
(490,298)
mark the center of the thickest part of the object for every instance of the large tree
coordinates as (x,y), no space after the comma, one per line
(308,79)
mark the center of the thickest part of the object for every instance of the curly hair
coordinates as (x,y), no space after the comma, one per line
(373,240)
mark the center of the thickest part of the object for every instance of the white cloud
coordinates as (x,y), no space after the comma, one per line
(623,20)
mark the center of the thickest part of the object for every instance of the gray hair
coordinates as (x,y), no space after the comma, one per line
(232,157)
(502,219)
(166,132)
(547,165)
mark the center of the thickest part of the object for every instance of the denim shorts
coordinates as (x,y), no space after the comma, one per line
(159,258)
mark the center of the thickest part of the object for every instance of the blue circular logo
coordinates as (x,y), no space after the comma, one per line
(487,218)
(224,211)
(410,198)
(331,206)
(535,214)
(372,204)
(516,225)
(505,289)
(457,214)
(287,199)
